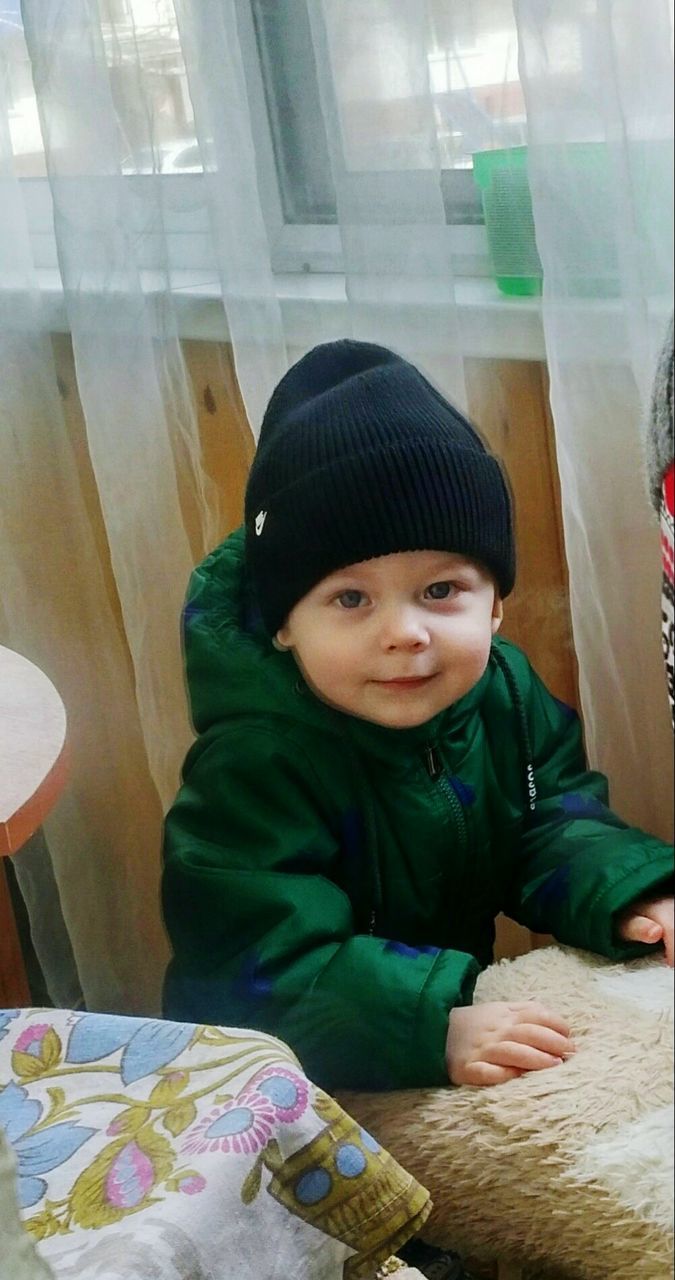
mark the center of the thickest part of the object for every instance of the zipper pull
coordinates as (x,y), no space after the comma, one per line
(433,762)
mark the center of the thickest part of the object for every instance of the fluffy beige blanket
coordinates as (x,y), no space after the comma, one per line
(567,1171)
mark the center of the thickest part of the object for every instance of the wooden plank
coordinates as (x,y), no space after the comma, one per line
(73,417)
(508,402)
(225,436)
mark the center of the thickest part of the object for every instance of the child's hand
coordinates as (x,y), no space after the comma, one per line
(491,1043)
(650,921)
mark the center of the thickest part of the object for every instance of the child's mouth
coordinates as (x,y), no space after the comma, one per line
(405,682)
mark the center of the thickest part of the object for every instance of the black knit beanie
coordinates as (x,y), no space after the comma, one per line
(359,456)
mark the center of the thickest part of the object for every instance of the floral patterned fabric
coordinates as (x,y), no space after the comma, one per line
(149,1148)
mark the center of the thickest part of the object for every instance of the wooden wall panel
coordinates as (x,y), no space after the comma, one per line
(226,439)
(508,401)
(77,435)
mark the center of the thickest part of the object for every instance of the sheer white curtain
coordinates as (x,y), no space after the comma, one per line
(598,83)
(378,110)
(111,644)
(56,609)
(331,144)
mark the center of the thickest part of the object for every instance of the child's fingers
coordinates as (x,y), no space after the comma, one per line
(522,1056)
(641,929)
(486,1073)
(531,1011)
(538,1037)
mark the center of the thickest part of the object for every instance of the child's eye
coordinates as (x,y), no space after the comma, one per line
(350,599)
(440,591)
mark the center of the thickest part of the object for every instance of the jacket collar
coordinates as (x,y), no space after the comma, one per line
(400,745)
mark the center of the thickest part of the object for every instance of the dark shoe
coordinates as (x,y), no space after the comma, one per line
(435,1264)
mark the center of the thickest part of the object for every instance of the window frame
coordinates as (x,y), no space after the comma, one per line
(317,247)
(185,243)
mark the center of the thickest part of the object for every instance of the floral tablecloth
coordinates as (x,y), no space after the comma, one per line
(151,1150)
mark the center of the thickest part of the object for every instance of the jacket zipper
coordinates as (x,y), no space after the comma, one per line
(437,774)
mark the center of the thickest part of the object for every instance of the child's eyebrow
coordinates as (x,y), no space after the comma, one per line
(340,580)
(452,565)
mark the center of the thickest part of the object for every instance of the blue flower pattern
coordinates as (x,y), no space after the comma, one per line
(131,1161)
(148,1045)
(6,1016)
(36,1152)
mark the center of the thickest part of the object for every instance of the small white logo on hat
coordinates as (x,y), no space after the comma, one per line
(259,522)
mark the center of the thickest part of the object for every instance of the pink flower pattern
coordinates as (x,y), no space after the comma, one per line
(30,1040)
(287,1091)
(139,1167)
(129,1178)
(243,1125)
(191,1185)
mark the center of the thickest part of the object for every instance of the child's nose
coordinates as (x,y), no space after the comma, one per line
(404,629)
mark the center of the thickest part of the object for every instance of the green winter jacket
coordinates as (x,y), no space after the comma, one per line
(335,882)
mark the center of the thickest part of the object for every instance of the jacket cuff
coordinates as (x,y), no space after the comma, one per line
(642,881)
(450,983)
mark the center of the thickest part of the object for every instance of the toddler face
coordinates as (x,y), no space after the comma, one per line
(397,639)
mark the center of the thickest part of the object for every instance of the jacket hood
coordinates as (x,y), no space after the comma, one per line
(232,667)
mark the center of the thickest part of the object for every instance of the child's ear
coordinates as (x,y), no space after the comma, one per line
(497,613)
(282,640)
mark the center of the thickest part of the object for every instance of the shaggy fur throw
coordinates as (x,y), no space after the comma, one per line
(567,1172)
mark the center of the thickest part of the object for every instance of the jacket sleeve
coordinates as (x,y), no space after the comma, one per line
(264,937)
(577,865)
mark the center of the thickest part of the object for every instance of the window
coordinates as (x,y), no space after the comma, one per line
(471,70)
(476,98)
(473,77)
(154,117)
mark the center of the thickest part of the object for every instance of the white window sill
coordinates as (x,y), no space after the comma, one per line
(491,324)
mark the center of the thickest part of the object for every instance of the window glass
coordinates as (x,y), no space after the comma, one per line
(472,73)
(148,84)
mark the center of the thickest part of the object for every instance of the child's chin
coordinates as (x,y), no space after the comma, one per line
(401,720)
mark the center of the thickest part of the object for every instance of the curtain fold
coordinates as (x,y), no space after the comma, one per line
(131,377)
(597,79)
(95,554)
(217,84)
(365,113)
(378,112)
(57,610)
